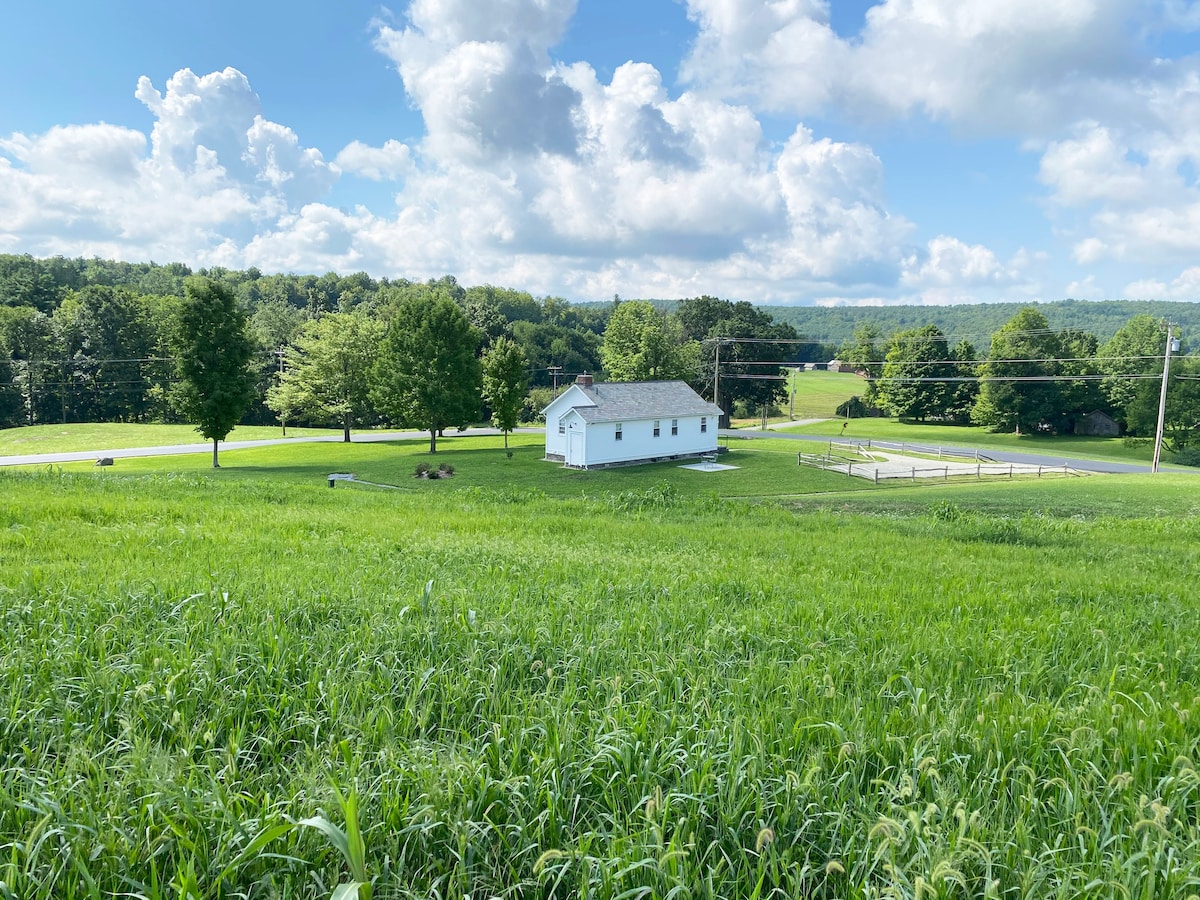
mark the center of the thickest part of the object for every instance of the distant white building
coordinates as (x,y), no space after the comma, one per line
(591,425)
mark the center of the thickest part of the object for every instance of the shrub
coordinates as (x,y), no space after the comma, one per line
(422,470)
(537,400)
(445,470)
(854,408)
(1188,456)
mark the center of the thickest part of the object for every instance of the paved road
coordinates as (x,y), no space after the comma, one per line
(1033,459)
(363,437)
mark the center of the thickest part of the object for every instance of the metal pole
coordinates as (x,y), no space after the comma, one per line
(792,407)
(1162,401)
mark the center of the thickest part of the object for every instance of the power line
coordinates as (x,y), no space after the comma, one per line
(963,362)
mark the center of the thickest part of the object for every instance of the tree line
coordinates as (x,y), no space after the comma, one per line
(979,321)
(1033,378)
(98,340)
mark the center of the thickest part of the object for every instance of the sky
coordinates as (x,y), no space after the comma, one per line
(778,151)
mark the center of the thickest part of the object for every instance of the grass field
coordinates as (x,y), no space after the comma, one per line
(116,435)
(817,395)
(1111,449)
(618,686)
(765,468)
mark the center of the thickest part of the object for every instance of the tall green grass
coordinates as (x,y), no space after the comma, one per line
(618,693)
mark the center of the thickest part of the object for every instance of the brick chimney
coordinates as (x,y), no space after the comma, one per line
(584,380)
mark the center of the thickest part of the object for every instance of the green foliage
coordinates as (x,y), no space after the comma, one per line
(641,344)
(12,406)
(28,339)
(854,408)
(1077,398)
(978,321)
(215,352)
(328,374)
(1188,456)
(505,383)
(912,357)
(428,375)
(1026,348)
(704,318)
(350,844)
(115,346)
(546,344)
(1136,349)
(1181,421)
(536,400)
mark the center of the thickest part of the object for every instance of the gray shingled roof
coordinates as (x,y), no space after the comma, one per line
(627,401)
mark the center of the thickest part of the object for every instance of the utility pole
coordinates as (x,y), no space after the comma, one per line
(717,379)
(1172,344)
(555,371)
(792,405)
(283,415)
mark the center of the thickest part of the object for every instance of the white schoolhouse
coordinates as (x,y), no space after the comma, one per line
(590,425)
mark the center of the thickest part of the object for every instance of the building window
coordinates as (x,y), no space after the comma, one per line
(674,427)
(562,427)
(656,427)
(618,431)
(703,424)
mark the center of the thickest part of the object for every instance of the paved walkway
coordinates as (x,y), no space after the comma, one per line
(360,437)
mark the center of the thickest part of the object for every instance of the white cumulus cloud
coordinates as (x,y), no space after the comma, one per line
(1185,287)
(215,171)
(391,161)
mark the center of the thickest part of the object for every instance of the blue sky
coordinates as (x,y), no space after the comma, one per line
(922,151)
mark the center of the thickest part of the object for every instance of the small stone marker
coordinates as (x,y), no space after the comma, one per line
(340,476)
(104,461)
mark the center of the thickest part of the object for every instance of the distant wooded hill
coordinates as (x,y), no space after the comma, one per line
(977,322)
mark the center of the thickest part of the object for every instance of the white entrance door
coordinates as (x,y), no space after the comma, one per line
(575,448)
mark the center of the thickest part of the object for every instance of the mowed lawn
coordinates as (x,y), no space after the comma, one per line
(762,468)
(819,394)
(974,436)
(118,435)
(527,684)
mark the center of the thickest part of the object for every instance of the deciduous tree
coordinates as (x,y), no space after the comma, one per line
(505,381)
(747,367)
(1181,422)
(1024,360)
(428,375)
(641,344)
(1136,349)
(215,354)
(329,371)
(908,389)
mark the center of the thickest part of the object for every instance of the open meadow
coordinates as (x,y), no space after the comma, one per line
(636,683)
